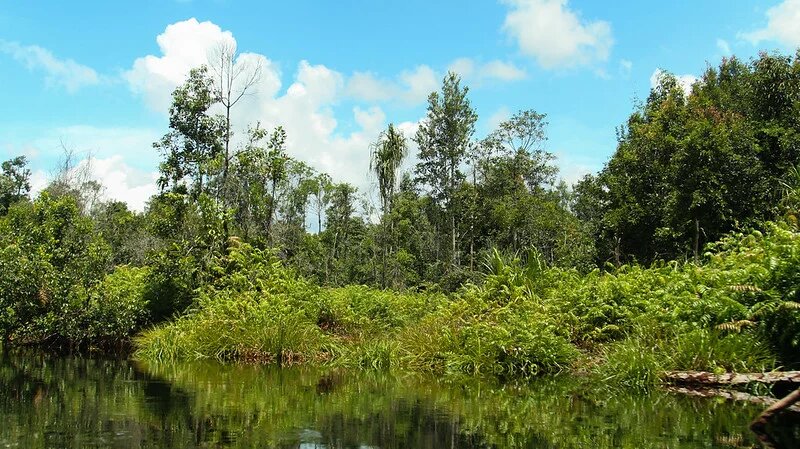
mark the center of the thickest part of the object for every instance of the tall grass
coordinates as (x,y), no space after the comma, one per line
(522,320)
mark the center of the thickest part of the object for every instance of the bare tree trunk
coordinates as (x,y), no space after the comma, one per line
(696,240)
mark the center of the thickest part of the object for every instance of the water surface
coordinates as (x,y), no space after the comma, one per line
(74,402)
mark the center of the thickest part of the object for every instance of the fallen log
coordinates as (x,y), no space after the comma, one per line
(731,379)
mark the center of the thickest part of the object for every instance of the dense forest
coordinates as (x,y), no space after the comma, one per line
(683,252)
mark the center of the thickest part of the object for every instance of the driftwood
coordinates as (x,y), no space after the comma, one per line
(731,379)
(775,406)
(759,425)
(729,394)
(787,403)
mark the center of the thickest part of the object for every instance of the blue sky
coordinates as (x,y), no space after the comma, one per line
(96,77)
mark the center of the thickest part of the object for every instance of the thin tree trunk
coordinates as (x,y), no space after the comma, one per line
(696,240)
(453,233)
(385,245)
(271,212)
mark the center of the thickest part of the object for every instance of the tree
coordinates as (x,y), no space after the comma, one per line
(386,157)
(690,168)
(320,187)
(194,144)
(233,78)
(15,182)
(338,228)
(520,140)
(444,138)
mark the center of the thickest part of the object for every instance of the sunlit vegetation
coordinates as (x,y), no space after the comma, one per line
(682,253)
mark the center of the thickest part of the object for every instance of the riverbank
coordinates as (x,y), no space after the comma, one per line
(734,312)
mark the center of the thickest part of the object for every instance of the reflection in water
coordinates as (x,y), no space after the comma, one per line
(48,402)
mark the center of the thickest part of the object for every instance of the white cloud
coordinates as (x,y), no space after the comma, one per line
(411,87)
(685,81)
(504,71)
(419,83)
(121,181)
(572,168)
(184,46)
(724,47)
(555,35)
(782,25)
(365,86)
(304,109)
(65,73)
(121,159)
(474,72)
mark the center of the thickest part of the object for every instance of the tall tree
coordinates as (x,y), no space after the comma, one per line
(233,78)
(386,157)
(195,142)
(444,137)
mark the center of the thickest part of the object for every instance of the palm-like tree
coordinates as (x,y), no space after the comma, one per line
(386,156)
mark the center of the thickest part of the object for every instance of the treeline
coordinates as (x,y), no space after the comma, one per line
(435,223)
(688,169)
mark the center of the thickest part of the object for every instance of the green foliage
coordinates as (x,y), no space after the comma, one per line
(523,319)
(55,279)
(255,309)
(690,168)
(15,182)
(632,363)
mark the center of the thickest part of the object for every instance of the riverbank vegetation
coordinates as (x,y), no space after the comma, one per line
(682,253)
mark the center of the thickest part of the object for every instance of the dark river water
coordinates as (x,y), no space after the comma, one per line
(75,402)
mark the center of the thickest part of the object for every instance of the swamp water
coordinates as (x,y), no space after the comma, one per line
(73,402)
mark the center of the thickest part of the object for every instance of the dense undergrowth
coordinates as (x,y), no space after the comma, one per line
(735,311)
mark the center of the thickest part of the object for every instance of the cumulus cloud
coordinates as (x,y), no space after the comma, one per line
(572,168)
(120,181)
(412,87)
(121,159)
(186,45)
(498,117)
(304,108)
(782,25)
(555,35)
(64,73)
(685,81)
